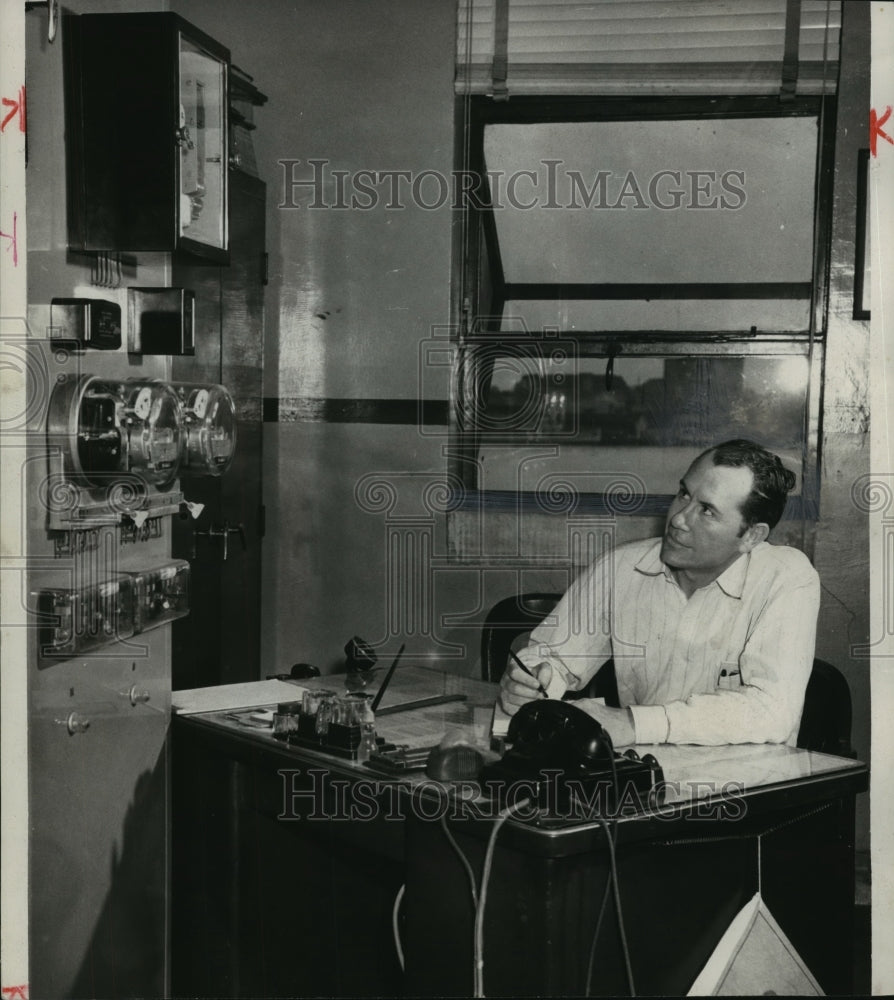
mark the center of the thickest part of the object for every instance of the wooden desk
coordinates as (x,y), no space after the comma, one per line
(275,891)
(287,864)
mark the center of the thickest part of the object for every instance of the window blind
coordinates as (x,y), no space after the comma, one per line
(650,47)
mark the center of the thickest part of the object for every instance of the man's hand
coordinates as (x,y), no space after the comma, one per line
(517,687)
(617,722)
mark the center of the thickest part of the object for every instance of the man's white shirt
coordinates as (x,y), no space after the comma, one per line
(730,664)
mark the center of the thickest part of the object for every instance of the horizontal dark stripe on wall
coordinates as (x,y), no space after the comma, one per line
(314,409)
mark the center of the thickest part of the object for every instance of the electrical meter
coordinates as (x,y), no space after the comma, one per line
(153,420)
(110,429)
(115,446)
(209,421)
(85,416)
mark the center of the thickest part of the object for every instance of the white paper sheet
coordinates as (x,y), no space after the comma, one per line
(227,697)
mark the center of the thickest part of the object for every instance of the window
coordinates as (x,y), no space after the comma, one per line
(639,277)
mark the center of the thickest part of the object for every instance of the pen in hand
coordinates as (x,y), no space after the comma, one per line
(528,672)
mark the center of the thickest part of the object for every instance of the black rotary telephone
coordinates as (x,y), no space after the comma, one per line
(557,734)
(563,759)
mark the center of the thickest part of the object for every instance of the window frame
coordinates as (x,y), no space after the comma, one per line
(478,299)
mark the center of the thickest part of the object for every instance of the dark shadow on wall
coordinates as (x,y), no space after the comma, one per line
(126,954)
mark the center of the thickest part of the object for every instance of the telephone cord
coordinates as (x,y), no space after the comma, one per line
(395,925)
(504,815)
(473,889)
(617,893)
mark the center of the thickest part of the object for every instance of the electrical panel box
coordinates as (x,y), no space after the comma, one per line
(146,99)
(77,621)
(83,323)
(161,321)
(161,594)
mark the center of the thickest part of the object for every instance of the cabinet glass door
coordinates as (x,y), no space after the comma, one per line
(202,138)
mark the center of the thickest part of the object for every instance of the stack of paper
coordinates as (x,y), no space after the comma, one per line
(227,697)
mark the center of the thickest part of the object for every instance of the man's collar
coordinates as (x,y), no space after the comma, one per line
(731,581)
(650,562)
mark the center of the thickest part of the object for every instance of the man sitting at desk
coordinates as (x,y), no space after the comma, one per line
(711,628)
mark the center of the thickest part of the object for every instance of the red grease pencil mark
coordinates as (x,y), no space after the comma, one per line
(13,240)
(18,108)
(875,129)
(15,991)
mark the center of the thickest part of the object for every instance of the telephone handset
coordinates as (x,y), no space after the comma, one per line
(557,734)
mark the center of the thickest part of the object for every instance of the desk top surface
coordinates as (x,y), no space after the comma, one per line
(691,773)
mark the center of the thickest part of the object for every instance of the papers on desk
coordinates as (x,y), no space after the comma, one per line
(227,697)
(499,724)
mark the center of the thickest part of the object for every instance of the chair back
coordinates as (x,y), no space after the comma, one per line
(513,617)
(505,622)
(826,719)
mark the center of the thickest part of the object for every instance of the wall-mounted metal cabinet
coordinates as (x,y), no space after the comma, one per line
(146,135)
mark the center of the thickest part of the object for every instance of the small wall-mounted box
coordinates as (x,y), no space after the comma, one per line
(80,323)
(161,321)
(78,621)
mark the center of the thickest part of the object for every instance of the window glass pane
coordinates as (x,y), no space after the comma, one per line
(704,316)
(716,200)
(558,415)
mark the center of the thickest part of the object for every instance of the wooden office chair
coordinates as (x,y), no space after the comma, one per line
(825,721)
(513,617)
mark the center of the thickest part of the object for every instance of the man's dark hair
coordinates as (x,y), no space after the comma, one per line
(772,481)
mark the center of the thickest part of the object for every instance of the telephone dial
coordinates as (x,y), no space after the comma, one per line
(564,760)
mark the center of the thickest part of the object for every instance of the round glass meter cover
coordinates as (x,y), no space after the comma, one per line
(210,419)
(154,429)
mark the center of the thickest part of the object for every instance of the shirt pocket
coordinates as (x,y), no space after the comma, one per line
(729,677)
